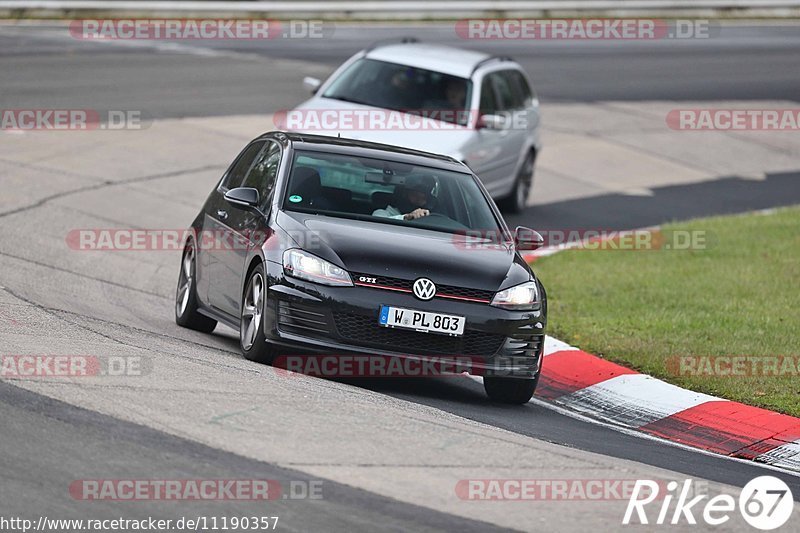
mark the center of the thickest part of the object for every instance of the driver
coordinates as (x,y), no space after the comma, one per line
(412,200)
(456,94)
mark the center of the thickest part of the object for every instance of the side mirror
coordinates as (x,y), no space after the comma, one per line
(527,239)
(312,84)
(243,196)
(490,122)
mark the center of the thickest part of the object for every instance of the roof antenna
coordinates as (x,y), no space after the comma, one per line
(339,135)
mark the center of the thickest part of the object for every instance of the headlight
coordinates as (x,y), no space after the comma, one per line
(309,267)
(523,297)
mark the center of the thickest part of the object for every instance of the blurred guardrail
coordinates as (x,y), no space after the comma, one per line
(401,9)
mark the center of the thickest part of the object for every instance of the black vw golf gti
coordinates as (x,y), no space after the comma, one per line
(334,246)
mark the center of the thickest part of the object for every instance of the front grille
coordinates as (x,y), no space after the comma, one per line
(384,281)
(366,330)
(464,292)
(302,320)
(442,291)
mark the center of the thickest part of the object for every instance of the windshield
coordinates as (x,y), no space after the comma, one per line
(387,192)
(403,88)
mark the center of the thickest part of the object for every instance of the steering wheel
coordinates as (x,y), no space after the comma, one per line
(443,221)
(429,216)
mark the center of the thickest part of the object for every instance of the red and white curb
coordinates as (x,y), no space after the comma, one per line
(605,391)
(600,389)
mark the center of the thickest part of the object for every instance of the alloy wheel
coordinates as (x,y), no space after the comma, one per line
(251,311)
(185,282)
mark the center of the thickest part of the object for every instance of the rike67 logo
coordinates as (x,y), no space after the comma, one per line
(766,503)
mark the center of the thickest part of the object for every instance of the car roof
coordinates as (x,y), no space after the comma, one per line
(361,148)
(436,57)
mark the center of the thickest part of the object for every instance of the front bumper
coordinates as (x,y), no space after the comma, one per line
(344,320)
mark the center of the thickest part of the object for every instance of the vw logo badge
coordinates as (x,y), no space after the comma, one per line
(424,289)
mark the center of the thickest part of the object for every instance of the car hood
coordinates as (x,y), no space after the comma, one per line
(428,135)
(379,249)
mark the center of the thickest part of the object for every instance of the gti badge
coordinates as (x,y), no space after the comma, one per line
(424,289)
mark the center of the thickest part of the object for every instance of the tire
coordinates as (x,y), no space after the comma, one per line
(186,314)
(510,390)
(252,340)
(517,200)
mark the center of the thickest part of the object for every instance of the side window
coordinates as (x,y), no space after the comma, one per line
(243,163)
(505,94)
(519,85)
(488,103)
(265,170)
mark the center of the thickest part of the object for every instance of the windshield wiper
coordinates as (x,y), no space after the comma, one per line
(351,100)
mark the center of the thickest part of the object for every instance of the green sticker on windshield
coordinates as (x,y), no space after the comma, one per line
(295,198)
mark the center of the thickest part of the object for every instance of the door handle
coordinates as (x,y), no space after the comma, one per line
(222,214)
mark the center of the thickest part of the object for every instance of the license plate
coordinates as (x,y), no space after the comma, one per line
(425,321)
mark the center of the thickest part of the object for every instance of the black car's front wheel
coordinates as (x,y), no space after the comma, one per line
(510,390)
(186,314)
(251,327)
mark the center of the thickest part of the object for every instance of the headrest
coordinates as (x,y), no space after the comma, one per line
(381,199)
(306,180)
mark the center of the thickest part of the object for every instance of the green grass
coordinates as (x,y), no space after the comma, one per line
(739,296)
